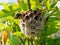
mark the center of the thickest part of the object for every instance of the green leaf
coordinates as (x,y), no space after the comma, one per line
(57,41)
(53,25)
(57,14)
(50,41)
(17,33)
(53,5)
(10,7)
(33,4)
(23,5)
(38,5)
(47,4)
(5,11)
(16,27)
(14,40)
(16,7)
(6,6)
(40,1)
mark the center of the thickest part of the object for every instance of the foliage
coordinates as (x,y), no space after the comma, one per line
(15,37)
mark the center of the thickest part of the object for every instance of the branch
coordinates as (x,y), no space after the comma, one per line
(18,1)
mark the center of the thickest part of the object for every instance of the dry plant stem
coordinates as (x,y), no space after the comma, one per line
(0,43)
(4,37)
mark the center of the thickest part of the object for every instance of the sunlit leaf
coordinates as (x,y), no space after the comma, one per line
(33,4)
(19,34)
(1,26)
(15,7)
(37,4)
(47,4)
(6,6)
(5,11)
(53,26)
(23,5)
(16,27)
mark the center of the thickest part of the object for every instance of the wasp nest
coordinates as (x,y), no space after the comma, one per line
(31,22)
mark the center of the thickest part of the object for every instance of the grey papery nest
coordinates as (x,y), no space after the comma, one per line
(31,22)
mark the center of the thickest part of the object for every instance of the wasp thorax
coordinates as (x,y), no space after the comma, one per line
(31,22)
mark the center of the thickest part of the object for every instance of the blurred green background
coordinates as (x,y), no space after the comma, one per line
(8,9)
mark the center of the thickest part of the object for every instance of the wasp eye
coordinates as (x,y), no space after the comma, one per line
(36,18)
(27,17)
(18,15)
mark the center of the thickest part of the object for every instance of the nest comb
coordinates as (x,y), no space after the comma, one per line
(31,22)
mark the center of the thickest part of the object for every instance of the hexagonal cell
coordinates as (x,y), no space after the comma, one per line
(39,14)
(32,27)
(23,20)
(27,17)
(37,23)
(31,22)
(23,25)
(35,12)
(36,18)
(18,15)
(23,15)
(31,15)
(32,32)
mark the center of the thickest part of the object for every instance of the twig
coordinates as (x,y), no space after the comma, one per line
(18,1)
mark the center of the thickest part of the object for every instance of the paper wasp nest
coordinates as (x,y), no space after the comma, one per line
(31,22)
